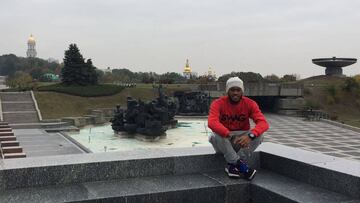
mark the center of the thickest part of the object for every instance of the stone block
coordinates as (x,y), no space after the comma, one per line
(90,119)
(262,195)
(186,188)
(108,112)
(271,187)
(312,168)
(86,172)
(75,121)
(196,163)
(290,103)
(59,193)
(100,118)
(236,190)
(291,90)
(43,171)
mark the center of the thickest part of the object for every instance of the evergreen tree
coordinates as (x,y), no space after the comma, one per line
(245,76)
(76,71)
(92,78)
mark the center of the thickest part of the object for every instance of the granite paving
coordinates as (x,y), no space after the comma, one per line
(317,136)
(37,142)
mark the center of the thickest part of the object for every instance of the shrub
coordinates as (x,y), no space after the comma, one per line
(351,85)
(332,94)
(21,81)
(311,105)
(84,91)
(307,91)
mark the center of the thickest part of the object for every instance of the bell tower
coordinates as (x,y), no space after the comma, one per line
(31,51)
(187,70)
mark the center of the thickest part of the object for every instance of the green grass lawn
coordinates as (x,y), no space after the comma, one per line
(57,105)
(353,120)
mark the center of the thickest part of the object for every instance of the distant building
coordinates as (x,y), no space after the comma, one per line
(187,71)
(108,70)
(31,51)
(211,73)
(53,60)
(50,77)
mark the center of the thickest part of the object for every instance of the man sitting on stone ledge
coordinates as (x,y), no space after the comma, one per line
(229,120)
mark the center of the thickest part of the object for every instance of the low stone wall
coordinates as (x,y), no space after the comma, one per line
(95,117)
(285,174)
(289,106)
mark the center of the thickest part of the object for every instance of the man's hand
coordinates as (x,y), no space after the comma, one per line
(243,141)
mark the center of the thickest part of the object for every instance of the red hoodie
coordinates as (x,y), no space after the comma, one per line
(225,116)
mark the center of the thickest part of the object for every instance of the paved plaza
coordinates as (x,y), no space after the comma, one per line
(314,136)
(37,142)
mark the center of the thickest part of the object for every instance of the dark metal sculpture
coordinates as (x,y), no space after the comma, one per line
(193,103)
(150,119)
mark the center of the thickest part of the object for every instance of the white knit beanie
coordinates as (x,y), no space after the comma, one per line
(234,82)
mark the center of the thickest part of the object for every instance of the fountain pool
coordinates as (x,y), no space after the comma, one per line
(189,133)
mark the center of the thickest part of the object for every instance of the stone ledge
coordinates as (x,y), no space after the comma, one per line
(332,173)
(271,187)
(212,187)
(185,188)
(69,169)
(155,174)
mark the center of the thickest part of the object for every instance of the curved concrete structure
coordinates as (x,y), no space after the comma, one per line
(334,65)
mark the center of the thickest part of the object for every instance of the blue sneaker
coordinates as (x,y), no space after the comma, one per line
(233,171)
(240,169)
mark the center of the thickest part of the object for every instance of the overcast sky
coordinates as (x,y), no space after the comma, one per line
(265,36)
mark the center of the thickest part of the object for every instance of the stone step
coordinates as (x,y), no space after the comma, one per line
(14,155)
(55,124)
(11,106)
(320,170)
(12,149)
(6,134)
(191,188)
(52,127)
(8,138)
(4,126)
(5,129)
(26,125)
(21,117)
(4,123)
(208,187)
(272,187)
(177,175)
(63,129)
(15,96)
(9,143)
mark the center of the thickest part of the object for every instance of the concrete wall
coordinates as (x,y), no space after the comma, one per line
(256,89)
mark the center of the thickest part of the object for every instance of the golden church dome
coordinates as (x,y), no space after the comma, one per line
(31,40)
(187,68)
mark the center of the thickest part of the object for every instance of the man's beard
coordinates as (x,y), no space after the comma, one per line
(234,102)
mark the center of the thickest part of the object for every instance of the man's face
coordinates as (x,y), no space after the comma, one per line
(235,94)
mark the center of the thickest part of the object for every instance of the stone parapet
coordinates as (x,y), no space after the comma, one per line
(285,174)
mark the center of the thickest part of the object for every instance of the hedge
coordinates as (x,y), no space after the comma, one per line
(84,91)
